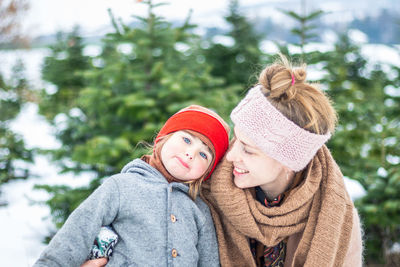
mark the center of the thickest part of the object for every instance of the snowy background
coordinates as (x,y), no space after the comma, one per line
(23,224)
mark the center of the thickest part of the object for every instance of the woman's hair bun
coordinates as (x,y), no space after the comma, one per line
(305,104)
(299,74)
(280,79)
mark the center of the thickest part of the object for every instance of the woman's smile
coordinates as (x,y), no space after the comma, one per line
(238,171)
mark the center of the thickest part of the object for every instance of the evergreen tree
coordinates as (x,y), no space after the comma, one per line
(365,144)
(142,76)
(305,31)
(64,69)
(12,93)
(12,147)
(238,63)
(372,26)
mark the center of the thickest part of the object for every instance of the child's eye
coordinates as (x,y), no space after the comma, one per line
(186,140)
(203,155)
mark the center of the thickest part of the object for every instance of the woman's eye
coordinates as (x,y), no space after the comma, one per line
(246,151)
(186,140)
(203,155)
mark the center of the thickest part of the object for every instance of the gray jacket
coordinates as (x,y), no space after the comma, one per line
(157,224)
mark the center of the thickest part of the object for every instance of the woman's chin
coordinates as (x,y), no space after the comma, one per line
(239,182)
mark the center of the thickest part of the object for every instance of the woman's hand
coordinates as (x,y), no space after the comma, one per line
(100,262)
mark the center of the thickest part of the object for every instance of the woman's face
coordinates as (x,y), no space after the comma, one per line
(252,167)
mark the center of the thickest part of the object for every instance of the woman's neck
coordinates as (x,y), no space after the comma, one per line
(272,194)
(279,186)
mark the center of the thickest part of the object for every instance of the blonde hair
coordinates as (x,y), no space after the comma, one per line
(195,186)
(301,102)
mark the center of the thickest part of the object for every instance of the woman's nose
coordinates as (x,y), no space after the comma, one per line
(231,155)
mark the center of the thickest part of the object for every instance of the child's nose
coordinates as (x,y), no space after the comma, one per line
(189,154)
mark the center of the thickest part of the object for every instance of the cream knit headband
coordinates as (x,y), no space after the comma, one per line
(273,133)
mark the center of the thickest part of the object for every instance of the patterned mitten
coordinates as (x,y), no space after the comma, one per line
(104,243)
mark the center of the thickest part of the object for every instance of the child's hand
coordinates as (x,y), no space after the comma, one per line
(100,262)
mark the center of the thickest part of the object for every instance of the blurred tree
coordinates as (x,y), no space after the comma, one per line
(63,68)
(365,144)
(305,31)
(365,141)
(239,61)
(12,96)
(12,148)
(124,95)
(11,12)
(372,26)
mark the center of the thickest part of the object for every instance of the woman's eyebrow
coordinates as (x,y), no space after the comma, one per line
(253,147)
(243,143)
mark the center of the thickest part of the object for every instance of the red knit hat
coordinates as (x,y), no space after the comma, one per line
(203,121)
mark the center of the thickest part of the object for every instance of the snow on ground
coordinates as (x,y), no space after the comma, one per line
(22,223)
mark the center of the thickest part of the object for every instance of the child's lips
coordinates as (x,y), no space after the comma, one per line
(182,162)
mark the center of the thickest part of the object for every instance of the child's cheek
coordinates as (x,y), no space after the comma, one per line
(198,168)
(204,166)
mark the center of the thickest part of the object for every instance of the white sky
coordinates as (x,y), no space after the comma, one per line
(49,16)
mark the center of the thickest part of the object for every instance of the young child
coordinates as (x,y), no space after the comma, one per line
(152,204)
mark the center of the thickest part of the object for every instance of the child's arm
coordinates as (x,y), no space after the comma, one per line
(207,246)
(72,243)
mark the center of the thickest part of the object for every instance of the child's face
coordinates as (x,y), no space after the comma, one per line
(185,156)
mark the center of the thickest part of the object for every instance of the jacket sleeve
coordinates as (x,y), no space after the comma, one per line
(72,243)
(207,246)
(354,254)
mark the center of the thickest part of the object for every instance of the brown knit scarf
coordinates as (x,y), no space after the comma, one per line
(319,207)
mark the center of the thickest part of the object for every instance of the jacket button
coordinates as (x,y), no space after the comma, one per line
(173,218)
(174,253)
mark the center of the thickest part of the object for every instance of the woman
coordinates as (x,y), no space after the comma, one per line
(278,197)
(286,204)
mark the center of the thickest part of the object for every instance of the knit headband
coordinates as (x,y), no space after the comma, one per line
(273,133)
